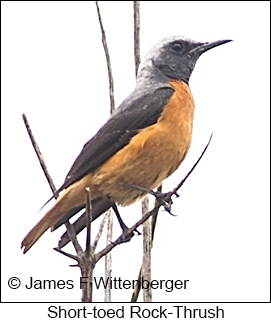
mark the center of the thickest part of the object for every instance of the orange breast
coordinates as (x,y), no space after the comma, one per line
(153,154)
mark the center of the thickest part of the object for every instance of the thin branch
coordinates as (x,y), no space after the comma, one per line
(99,233)
(88,219)
(125,236)
(87,261)
(87,264)
(153,225)
(147,241)
(137,288)
(40,157)
(136,35)
(108,257)
(64,253)
(109,69)
(73,238)
(108,260)
(155,215)
(145,269)
(194,166)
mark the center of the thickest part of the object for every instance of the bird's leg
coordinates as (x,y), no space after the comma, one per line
(123,226)
(162,198)
(121,222)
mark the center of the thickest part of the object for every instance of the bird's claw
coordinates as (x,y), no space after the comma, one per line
(163,199)
(126,236)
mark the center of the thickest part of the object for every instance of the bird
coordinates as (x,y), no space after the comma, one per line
(142,143)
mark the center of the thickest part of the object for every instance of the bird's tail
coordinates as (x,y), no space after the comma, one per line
(57,212)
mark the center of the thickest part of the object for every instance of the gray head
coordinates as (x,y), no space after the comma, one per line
(173,58)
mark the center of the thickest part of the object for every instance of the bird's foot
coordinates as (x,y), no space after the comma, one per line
(163,199)
(127,234)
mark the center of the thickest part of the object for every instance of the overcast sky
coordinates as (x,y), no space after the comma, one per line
(54,71)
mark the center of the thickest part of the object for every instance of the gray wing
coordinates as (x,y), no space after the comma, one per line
(135,113)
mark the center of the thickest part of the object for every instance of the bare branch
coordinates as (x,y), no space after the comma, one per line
(86,260)
(64,253)
(155,215)
(73,238)
(88,219)
(147,241)
(99,233)
(153,224)
(40,157)
(87,265)
(108,257)
(137,287)
(136,35)
(147,226)
(191,170)
(109,69)
(124,236)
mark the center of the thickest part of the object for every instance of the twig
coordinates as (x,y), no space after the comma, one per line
(155,215)
(136,35)
(123,237)
(191,170)
(108,257)
(153,225)
(137,288)
(87,262)
(40,157)
(99,233)
(145,269)
(109,69)
(88,220)
(73,238)
(147,241)
(69,255)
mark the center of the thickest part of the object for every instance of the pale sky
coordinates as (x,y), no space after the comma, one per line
(54,71)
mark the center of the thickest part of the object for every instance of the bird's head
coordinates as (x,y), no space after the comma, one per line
(174,58)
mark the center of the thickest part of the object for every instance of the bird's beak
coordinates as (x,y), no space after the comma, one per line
(201,48)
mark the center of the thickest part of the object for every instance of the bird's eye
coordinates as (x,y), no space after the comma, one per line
(177,47)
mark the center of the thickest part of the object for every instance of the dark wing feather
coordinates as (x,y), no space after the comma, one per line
(135,113)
